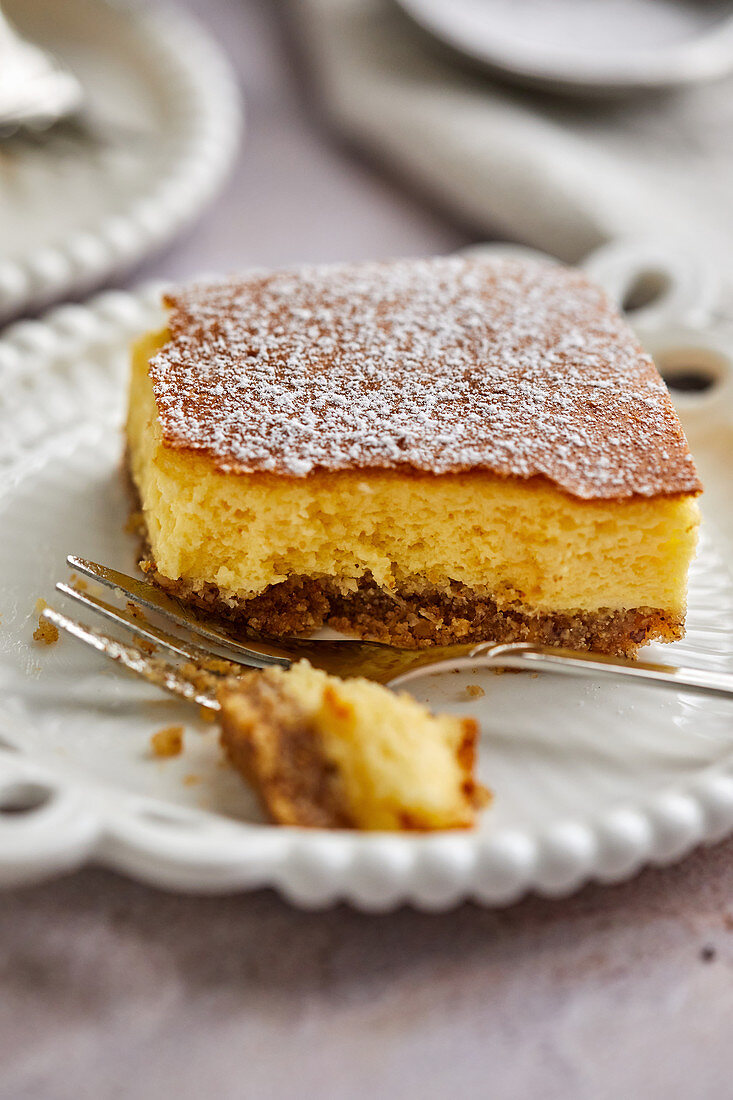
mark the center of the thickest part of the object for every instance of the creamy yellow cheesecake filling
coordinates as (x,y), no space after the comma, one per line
(383,759)
(523,542)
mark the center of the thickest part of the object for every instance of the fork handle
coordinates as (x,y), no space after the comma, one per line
(569,662)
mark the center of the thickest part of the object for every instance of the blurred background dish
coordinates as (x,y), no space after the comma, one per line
(157,134)
(607,47)
(36,90)
(562,174)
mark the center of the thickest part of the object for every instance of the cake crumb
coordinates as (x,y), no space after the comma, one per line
(136,612)
(191,780)
(475,691)
(46,633)
(146,646)
(167,742)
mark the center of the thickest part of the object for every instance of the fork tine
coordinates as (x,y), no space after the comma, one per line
(145,593)
(156,671)
(346,657)
(148,631)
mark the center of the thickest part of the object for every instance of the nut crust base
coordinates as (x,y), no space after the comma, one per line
(413,620)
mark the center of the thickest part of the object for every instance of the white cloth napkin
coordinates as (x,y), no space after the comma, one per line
(561,175)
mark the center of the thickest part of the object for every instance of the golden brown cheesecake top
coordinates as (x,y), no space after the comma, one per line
(440,365)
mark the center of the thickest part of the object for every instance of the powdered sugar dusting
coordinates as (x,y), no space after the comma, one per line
(441,365)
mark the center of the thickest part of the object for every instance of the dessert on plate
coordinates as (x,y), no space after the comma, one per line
(419,452)
(325,752)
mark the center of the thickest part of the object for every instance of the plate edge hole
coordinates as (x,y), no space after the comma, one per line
(691,371)
(23,798)
(691,380)
(647,288)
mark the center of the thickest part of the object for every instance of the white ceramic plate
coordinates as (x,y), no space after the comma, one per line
(160,92)
(590,781)
(616,46)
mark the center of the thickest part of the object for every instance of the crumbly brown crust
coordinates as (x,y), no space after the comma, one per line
(414,620)
(273,744)
(440,365)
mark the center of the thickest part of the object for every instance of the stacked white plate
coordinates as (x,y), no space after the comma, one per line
(164,121)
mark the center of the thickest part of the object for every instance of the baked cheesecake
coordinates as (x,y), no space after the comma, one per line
(419,452)
(333,753)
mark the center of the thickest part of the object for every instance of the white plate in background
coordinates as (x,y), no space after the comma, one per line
(571,46)
(74,212)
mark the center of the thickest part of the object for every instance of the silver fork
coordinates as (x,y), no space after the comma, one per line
(217,651)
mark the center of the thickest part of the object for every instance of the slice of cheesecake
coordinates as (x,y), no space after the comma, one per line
(350,754)
(420,452)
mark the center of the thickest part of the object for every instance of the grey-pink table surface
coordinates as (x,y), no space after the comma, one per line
(112,989)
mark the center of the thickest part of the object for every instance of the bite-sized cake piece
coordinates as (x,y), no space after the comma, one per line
(422,452)
(348,754)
